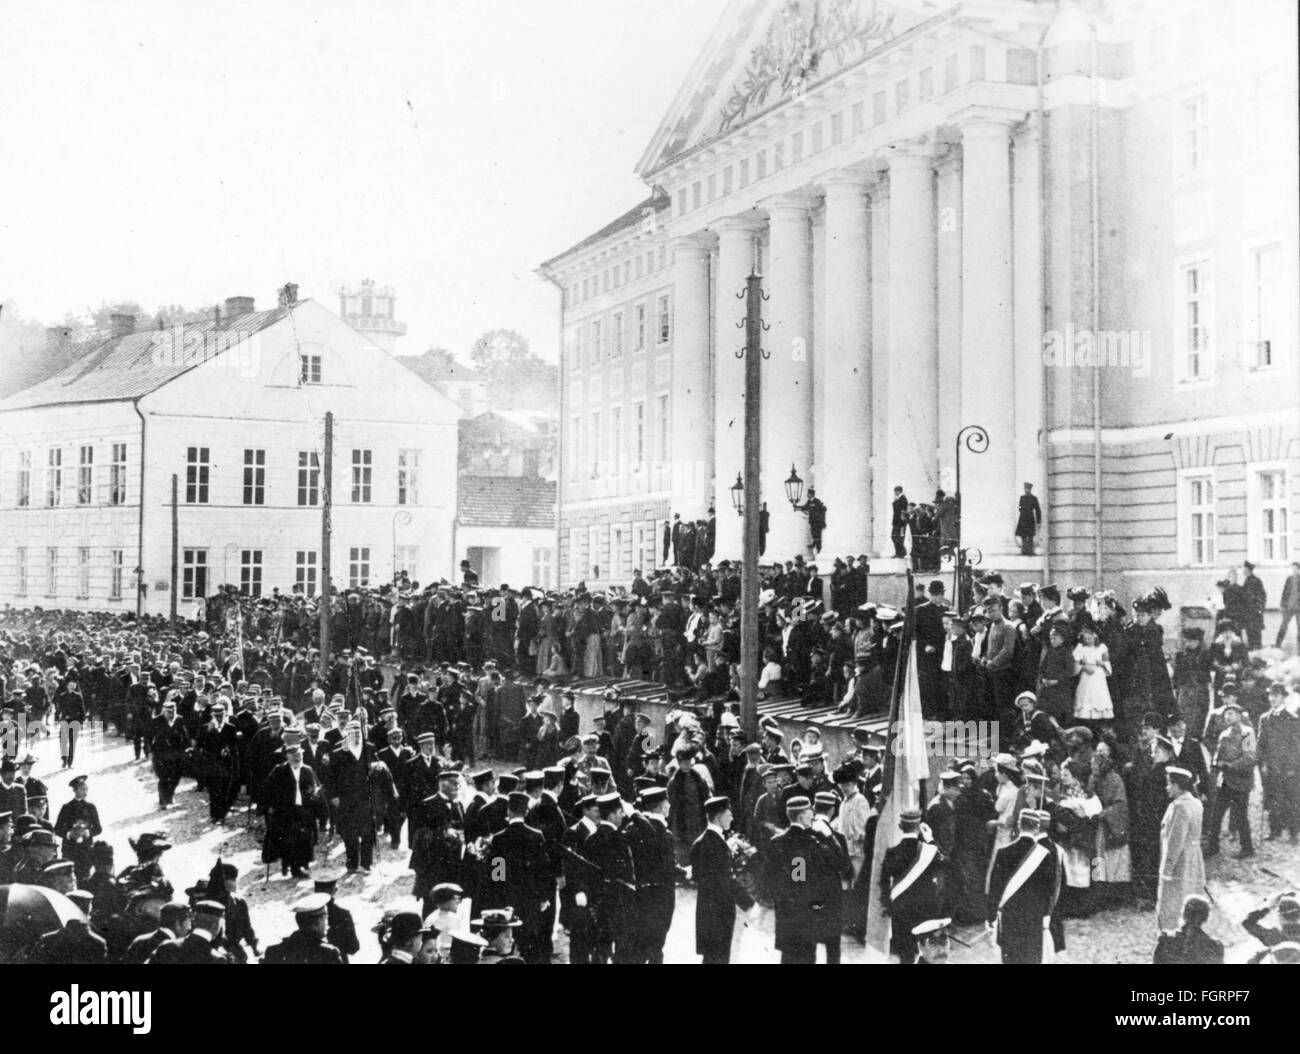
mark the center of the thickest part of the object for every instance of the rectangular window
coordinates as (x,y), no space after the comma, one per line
(1199,519)
(22,570)
(638,435)
(662,452)
(250,572)
(24,478)
(358,567)
(309,369)
(760,164)
(543,562)
(639,335)
(744,172)
(115,564)
(1194,135)
(254,477)
(616,552)
(1265,307)
(595,344)
(595,448)
(574,453)
(902,95)
(616,440)
(305,570)
(308,477)
(51,572)
(54,478)
(85,475)
(194,574)
(407,558)
(616,336)
(1268,496)
(925,84)
(83,573)
(1263,130)
(594,561)
(117,475)
(665,320)
(1194,329)
(362,467)
(950,73)
(796,148)
(408,477)
(196,475)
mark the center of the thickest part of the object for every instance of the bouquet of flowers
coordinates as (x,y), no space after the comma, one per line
(744,862)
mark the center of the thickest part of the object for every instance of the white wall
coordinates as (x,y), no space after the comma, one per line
(516,545)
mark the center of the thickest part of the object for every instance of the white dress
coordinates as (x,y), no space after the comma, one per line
(1092,696)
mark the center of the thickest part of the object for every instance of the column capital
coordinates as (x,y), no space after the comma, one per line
(742,224)
(986,122)
(910,154)
(697,243)
(852,180)
(790,206)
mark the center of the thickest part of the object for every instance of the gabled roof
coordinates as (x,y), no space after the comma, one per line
(433,369)
(505,501)
(634,216)
(130,367)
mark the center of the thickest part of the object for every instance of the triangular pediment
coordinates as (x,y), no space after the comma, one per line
(764,53)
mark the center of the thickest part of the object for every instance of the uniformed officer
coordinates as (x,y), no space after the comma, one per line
(59,875)
(78,825)
(654,864)
(608,851)
(307,946)
(932,941)
(76,944)
(173,924)
(909,885)
(438,837)
(198,947)
(517,874)
(340,929)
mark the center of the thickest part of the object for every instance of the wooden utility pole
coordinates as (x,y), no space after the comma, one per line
(176,536)
(749,581)
(326,530)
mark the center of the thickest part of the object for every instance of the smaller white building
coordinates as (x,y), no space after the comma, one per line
(232,410)
(506,529)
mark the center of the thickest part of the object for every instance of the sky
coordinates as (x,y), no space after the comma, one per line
(181,153)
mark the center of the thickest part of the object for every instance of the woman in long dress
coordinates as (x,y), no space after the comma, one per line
(1111,870)
(1092,664)
(547,637)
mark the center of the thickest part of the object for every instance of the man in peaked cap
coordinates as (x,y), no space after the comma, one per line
(76,944)
(340,929)
(199,946)
(307,945)
(717,893)
(932,941)
(520,876)
(607,849)
(654,863)
(802,870)
(909,885)
(1024,888)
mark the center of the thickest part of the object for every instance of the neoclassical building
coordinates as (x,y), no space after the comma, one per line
(1073,224)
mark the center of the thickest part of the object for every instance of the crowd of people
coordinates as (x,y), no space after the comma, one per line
(1113,773)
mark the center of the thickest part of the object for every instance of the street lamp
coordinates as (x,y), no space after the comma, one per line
(794,489)
(738,496)
(976,439)
(402,518)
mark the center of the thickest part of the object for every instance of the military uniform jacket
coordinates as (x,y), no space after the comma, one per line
(438,839)
(195,949)
(799,870)
(920,900)
(74,945)
(717,893)
(303,949)
(654,863)
(519,854)
(76,811)
(141,949)
(1022,916)
(608,851)
(547,817)
(420,780)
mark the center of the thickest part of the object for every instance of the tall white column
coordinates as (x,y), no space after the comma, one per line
(846,350)
(788,373)
(913,408)
(692,404)
(987,361)
(736,244)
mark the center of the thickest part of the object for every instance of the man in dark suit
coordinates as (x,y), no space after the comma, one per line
(518,873)
(438,838)
(898,527)
(909,885)
(930,636)
(289,798)
(199,946)
(218,750)
(655,865)
(717,893)
(1024,885)
(608,851)
(168,742)
(546,816)
(1028,520)
(797,871)
(529,725)
(396,757)
(816,509)
(580,879)
(307,945)
(349,791)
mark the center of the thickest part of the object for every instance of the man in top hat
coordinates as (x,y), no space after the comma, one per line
(308,944)
(910,884)
(654,864)
(78,825)
(1182,865)
(1024,887)
(717,893)
(351,789)
(200,945)
(518,875)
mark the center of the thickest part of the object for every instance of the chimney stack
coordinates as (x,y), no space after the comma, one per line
(122,325)
(289,294)
(58,338)
(238,305)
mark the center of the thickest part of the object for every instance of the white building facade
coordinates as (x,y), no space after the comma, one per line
(941,199)
(234,411)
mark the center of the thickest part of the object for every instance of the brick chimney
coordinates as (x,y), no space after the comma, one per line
(58,338)
(122,325)
(238,305)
